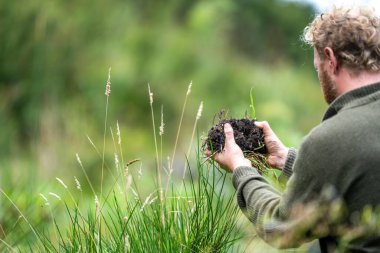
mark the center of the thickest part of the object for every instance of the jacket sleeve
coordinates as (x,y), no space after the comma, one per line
(288,219)
(287,171)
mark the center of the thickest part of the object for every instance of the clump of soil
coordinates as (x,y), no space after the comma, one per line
(248,137)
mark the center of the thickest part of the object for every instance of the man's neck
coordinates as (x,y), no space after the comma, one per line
(347,81)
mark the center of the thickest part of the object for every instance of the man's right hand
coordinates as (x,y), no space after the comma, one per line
(277,152)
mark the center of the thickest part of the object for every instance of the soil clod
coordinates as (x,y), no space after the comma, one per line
(248,137)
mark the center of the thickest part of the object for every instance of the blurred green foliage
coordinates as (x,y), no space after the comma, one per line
(55,55)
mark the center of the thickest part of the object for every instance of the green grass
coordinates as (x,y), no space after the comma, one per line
(252,105)
(200,216)
(196,213)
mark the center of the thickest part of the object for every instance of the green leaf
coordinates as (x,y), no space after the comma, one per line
(252,105)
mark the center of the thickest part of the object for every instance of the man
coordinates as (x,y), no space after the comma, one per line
(336,172)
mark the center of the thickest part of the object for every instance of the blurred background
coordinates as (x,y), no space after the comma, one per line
(55,55)
(54,61)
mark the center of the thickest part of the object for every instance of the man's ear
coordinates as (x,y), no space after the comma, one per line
(331,59)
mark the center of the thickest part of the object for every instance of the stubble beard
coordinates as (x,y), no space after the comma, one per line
(328,87)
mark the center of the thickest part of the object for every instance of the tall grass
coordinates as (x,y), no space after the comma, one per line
(194,215)
(200,218)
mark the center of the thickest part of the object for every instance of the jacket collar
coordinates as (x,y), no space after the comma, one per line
(354,97)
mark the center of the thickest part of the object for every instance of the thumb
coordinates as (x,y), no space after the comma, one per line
(229,132)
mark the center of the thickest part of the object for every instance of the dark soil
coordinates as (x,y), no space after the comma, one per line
(248,137)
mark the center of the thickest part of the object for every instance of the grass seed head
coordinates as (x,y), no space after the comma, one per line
(189,88)
(139,172)
(77,183)
(147,201)
(97,206)
(55,195)
(96,200)
(61,182)
(118,133)
(150,95)
(78,159)
(162,121)
(116,160)
(200,109)
(46,200)
(135,194)
(108,84)
(152,200)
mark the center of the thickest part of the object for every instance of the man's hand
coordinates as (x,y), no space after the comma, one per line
(232,156)
(277,152)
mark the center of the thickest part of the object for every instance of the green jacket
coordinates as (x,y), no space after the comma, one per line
(332,178)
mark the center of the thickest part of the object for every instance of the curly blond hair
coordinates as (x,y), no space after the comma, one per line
(353,34)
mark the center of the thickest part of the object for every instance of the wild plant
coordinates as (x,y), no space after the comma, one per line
(252,105)
(193,214)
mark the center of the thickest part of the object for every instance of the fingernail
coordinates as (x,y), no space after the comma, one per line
(227,126)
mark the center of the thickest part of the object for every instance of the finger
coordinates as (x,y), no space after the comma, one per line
(272,160)
(229,132)
(261,124)
(264,126)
